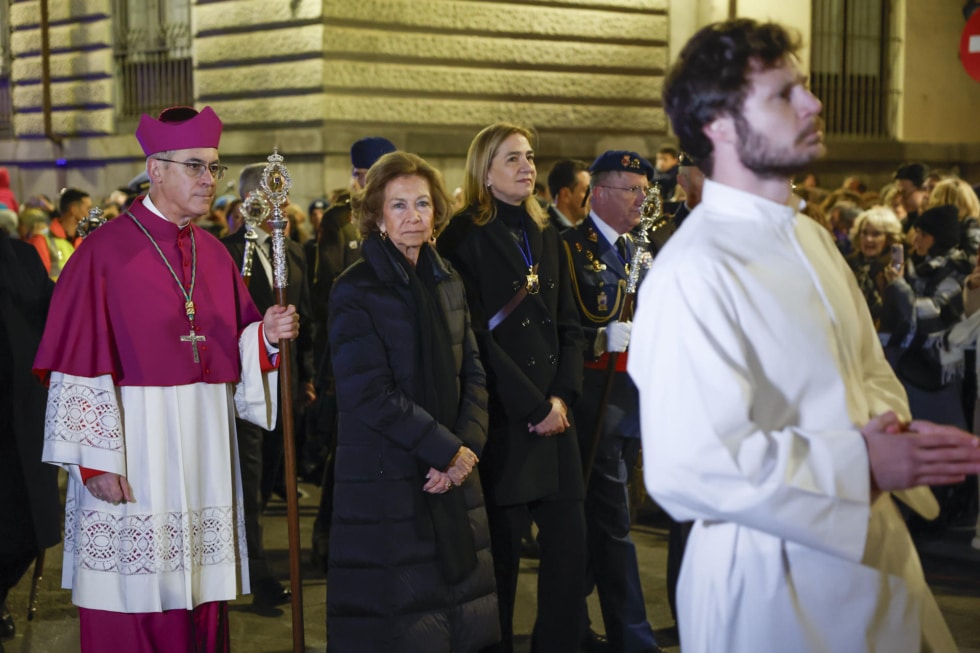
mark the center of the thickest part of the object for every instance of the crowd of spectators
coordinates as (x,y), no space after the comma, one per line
(913,247)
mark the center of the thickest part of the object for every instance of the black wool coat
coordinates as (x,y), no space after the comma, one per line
(536,352)
(29,487)
(385,588)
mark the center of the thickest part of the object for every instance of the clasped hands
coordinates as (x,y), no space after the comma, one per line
(462,464)
(918,453)
(556,421)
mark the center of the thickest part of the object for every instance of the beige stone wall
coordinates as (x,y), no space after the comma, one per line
(312,76)
(940,102)
(428,74)
(259,65)
(80,41)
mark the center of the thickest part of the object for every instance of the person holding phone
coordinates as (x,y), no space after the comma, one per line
(877,239)
(922,301)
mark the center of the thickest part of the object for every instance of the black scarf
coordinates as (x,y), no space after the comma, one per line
(437,391)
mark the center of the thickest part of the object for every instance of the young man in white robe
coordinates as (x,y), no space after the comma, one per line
(769,415)
(151,348)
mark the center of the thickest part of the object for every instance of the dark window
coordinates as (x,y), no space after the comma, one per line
(850,68)
(154,67)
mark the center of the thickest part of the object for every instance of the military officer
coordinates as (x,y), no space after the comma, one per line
(600,250)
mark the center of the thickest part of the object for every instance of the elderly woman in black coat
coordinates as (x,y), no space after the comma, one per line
(410,566)
(526,321)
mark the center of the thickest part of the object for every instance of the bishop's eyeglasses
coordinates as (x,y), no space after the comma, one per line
(195,168)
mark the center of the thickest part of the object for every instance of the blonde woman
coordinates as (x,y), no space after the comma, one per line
(525,319)
(872,236)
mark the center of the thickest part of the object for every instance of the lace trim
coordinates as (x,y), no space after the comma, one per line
(83,415)
(134,545)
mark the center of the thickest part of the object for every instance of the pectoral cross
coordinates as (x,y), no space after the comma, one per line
(193,338)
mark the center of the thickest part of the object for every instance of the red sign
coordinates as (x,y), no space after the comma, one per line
(970,46)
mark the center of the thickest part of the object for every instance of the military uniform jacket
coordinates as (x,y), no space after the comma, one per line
(536,352)
(599,280)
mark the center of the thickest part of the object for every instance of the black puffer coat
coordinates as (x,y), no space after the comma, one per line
(385,589)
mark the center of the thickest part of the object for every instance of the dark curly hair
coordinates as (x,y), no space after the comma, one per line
(710,77)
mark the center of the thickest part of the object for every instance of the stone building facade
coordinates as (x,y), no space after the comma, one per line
(311,76)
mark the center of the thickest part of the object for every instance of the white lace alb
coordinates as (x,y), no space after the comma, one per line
(149,544)
(83,415)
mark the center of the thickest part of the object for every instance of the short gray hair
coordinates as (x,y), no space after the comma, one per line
(250,178)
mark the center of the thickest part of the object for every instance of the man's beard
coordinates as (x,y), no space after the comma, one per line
(756,152)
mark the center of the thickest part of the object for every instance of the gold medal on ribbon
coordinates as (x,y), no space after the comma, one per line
(533,285)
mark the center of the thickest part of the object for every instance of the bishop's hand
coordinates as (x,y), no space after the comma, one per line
(111,488)
(280,323)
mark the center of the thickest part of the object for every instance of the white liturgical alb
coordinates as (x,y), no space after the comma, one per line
(757,364)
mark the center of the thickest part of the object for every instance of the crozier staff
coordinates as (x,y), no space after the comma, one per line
(154,341)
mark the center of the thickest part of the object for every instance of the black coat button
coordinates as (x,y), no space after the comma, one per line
(516,286)
(553,359)
(531,362)
(526,322)
(551,284)
(546,321)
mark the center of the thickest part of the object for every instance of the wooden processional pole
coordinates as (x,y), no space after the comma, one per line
(275,185)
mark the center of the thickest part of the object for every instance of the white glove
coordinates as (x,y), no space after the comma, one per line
(615,336)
